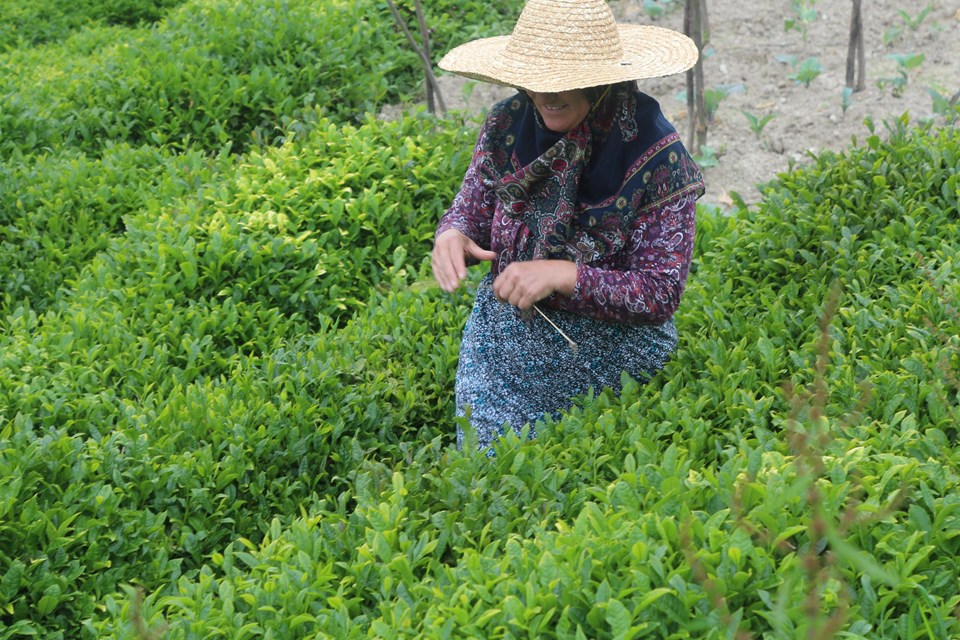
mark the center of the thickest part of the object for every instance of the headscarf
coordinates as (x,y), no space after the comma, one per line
(574,190)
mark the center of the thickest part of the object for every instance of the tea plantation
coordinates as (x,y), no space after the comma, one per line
(226,377)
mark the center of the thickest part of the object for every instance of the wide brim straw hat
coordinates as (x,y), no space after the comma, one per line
(560,45)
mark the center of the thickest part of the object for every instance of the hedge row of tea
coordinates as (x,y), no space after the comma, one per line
(140,264)
(212,75)
(97,130)
(261,470)
(716,500)
(227,380)
(27,24)
(196,322)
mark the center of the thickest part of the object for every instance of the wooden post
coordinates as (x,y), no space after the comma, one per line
(856,59)
(704,22)
(696,105)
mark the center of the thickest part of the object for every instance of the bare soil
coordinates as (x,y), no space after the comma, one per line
(747,43)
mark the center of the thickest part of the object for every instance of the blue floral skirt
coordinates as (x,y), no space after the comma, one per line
(516,370)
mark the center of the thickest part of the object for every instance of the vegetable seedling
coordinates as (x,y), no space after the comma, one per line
(846,99)
(804,16)
(913,23)
(949,108)
(905,63)
(658,8)
(803,72)
(757,123)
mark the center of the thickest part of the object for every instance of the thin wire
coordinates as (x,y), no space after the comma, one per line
(573,345)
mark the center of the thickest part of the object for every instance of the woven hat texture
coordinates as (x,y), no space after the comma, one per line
(559,45)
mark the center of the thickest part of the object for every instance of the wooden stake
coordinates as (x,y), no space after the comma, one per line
(856,59)
(696,104)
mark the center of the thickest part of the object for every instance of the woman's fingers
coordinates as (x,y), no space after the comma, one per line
(450,251)
(448,264)
(480,254)
(523,284)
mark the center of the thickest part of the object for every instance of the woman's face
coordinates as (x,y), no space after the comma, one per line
(562,111)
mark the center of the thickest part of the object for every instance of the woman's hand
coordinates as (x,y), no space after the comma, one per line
(523,284)
(449,260)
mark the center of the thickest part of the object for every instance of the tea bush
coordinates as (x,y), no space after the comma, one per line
(27,24)
(105,485)
(230,290)
(227,379)
(59,211)
(333,206)
(211,75)
(348,197)
(231,73)
(68,172)
(601,531)
(711,501)
(292,241)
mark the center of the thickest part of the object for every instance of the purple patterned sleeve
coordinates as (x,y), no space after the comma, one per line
(472,209)
(647,287)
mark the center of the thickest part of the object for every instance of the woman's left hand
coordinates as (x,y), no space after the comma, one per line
(523,284)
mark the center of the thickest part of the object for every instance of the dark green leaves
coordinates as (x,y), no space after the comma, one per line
(227,377)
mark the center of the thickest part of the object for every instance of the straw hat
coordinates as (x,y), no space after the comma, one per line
(559,45)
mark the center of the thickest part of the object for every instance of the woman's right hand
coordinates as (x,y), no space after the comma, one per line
(449,261)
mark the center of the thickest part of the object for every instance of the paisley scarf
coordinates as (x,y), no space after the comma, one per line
(571,189)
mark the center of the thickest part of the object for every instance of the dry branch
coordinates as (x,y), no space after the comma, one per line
(423,52)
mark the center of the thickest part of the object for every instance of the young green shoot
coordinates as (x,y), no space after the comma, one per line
(947,107)
(659,8)
(913,23)
(846,99)
(757,123)
(804,15)
(803,72)
(707,157)
(906,62)
(713,97)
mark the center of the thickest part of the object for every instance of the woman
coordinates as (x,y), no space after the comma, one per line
(582,197)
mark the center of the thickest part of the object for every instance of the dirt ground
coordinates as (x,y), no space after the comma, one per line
(745,59)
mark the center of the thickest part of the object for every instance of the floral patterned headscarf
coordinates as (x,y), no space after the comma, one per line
(546,191)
